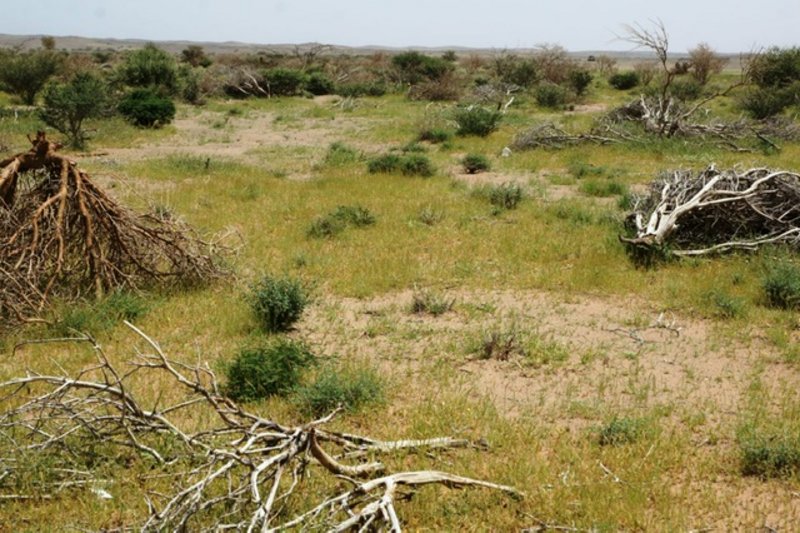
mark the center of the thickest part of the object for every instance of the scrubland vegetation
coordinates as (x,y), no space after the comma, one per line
(400,249)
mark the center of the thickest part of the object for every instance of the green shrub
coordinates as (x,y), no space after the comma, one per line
(357,89)
(273,368)
(511,69)
(144,107)
(727,306)
(477,121)
(781,285)
(385,164)
(284,81)
(414,67)
(416,165)
(505,196)
(67,105)
(686,89)
(412,164)
(350,388)
(150,67)
(430,302)
(768,454)
(434,135)
(340,154)
(624,80)
(620,431)
(475,163)
(579,80)
(550,95)
(764,102)
(337,220)
(277,302)
(318,83)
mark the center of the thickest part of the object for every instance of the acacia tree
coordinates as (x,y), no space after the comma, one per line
(24,74)
(68,105)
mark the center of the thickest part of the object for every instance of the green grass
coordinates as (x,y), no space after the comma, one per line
(435,236)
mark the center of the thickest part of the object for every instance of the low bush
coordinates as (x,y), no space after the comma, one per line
(475,163)
(384,164)
(340,154)
(337,220)
(619,431)
(357,89)
(349,387)
(272,368)
(414,164)
(602,187)
(318,83)
(277,302)
(624,80)
(282,81)
(768,454)
(145,107)
(430,216)
(727,306)
(410,164)
(434,135)
(686,89)
(99,316)
(781,285)
(505,196)
(475,120)
(550,95)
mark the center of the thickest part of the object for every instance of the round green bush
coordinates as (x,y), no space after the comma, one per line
(782,286)
(477,121)
(277,302)
(624,80)
(475,163)
(269,369)
(145,107)
(416,165)
(551,95)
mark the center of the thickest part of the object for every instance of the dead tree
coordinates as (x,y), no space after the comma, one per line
(60,234)
(239,471)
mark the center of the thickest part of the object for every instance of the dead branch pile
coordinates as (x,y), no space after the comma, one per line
(61,235)
(240,471)
(649,118)
(716,211)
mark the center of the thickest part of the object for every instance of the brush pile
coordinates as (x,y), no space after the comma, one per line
(63,236)
(716,211)
(222,467)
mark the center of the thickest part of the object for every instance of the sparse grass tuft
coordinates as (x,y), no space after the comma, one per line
(430,216)
(430,302)
(768,454)
(503,197)
(602,187)
(339,154)
(277,302)
(726,305)
(99,316)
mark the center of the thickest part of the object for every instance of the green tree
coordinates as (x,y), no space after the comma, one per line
(195,56)
(24,74)
(414,67)
(68,105)
(150,67)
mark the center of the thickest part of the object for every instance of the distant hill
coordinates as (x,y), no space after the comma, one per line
(75,43)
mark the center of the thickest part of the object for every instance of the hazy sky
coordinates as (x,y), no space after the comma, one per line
(727,25)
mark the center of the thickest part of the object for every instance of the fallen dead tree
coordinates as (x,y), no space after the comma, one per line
(239,471)
(687,214)
(62,235)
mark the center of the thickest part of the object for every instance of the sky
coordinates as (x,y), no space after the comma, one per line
(726,25)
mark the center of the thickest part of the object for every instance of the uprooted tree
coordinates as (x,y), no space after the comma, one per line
(62,236)
(713,211)
(234,470)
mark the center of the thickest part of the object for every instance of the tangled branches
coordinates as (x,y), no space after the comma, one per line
(60,234)
(237,472)
(717,211)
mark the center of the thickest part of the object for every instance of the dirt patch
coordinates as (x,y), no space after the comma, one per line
(621,354)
